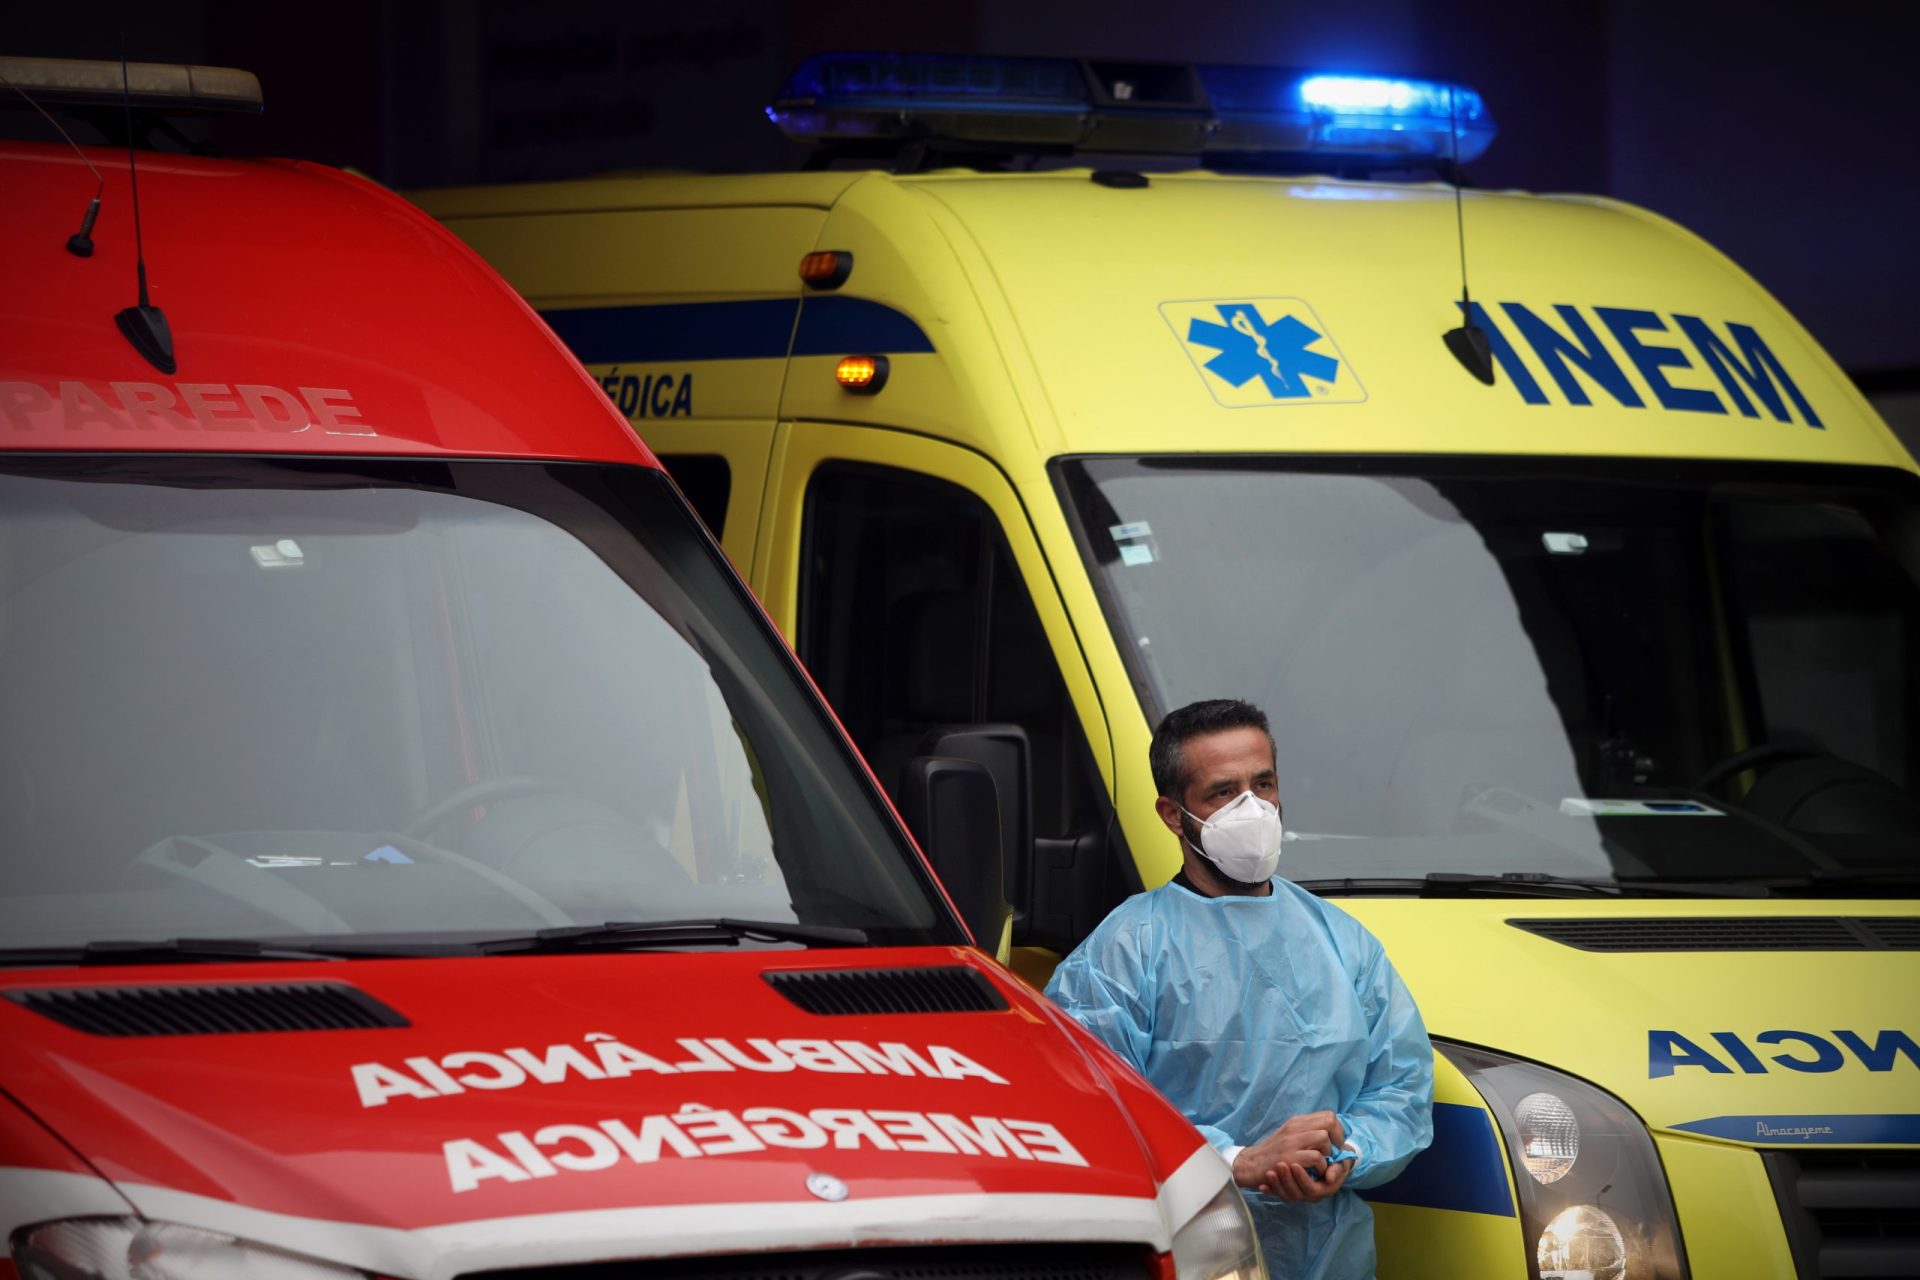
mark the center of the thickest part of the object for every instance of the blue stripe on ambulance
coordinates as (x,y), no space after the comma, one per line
(839,326)
(1463,1170)
(1787,1131)
(744,329)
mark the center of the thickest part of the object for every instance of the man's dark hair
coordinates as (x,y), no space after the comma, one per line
(1167,757)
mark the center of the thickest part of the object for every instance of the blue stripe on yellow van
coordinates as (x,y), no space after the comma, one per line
(1788,1131)
(838,326)
(672,333)
(1463,1170)
(743,329)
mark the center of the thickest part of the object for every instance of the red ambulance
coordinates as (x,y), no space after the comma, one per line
(419,857)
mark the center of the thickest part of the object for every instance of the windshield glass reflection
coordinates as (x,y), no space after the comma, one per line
(407,700)
(1583,669)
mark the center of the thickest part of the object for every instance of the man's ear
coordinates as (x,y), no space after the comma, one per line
(1169,813)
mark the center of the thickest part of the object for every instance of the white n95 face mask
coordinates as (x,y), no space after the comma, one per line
(1242,838)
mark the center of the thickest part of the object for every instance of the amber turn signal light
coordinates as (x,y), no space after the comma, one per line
(862,375)
(826,269)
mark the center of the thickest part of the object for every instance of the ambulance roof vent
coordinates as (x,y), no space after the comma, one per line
(160,88)
(1732,933)
(949,989)
(209,1009)
(876,103)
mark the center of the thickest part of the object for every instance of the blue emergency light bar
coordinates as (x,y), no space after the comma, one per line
(872,99)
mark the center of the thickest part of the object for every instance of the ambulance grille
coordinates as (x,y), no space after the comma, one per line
(1732,933)
(1900,933)
(1849,1213)
(203,1010)
(952,989)
(933,1262)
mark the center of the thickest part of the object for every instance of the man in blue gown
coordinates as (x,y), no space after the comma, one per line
(1273,1019)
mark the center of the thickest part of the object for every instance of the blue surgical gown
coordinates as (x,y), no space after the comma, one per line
(1245,1012)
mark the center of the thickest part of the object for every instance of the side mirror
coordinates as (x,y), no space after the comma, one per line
(1003,750)
(953,810)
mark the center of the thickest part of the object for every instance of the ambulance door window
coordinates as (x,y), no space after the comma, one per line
(1829,620)
(707,480)
(913,616)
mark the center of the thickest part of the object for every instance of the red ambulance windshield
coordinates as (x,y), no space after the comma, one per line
(1643,671)
(405,701)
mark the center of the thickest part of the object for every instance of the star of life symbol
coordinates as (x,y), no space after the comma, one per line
(1262,351)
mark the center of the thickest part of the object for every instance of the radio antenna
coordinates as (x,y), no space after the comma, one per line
(1468,343)
(80,243)
(143,324)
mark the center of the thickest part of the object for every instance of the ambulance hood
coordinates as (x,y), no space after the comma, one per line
(1683,1017)
(547,1109)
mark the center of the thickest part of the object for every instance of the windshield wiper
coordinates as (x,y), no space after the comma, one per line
(176,951)
(1454,884)
(1841,880)
(666,935)
(1523,884)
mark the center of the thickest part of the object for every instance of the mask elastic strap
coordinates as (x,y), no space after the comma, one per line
(1198,851)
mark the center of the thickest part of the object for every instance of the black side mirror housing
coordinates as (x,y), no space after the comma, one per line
(1003,750)
(1059,887)
(953,809)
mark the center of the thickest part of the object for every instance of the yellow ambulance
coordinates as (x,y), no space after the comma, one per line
(1581,587)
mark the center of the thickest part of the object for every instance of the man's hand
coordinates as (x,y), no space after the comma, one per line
(1304,1142)
(1292,1182)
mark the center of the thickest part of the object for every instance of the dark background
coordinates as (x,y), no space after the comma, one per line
(1788,134)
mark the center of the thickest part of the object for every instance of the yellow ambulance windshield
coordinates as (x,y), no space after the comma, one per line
(1633,670)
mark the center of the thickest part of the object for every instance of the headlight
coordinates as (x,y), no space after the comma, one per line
(1582,1241)
(1218,1242)
(1594,1200)
(1549,1135)
(128,1249)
